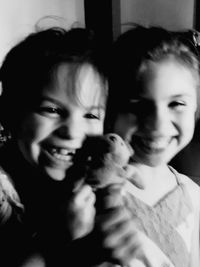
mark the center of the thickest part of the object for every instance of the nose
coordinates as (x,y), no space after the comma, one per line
(71,128)
(157,120)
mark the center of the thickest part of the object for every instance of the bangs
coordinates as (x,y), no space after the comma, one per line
(85,86)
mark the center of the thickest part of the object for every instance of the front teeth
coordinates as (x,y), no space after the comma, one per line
(156,144)
(62,153)
(160,144)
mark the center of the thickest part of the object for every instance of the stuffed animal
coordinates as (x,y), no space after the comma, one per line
(102,160)
(102,163)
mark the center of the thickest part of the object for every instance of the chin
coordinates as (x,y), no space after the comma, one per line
(55,174)
(155,162)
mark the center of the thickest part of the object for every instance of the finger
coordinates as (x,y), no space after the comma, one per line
(108,220)
(122,233)
(85,194)
(109,201)
(76,186)
(125,248)
(114,189)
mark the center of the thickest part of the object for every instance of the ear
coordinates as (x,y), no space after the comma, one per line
(121,152)
(134,176)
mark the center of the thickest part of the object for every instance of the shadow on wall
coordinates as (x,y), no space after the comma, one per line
(55,21)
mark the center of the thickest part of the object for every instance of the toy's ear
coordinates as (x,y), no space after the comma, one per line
(119,150)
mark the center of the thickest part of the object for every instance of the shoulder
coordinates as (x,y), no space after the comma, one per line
(8,190)
(186,180)
(192,188)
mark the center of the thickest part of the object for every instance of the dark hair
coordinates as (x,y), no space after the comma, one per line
(134,49)
(28,66)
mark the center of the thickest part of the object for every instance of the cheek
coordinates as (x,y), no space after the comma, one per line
(98,129)
(187,125)
(94,127)
(34,128)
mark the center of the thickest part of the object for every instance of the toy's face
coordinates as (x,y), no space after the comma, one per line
(105,158)
(111,146)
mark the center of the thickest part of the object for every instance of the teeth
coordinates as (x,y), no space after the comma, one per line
(62,153)
(156,144)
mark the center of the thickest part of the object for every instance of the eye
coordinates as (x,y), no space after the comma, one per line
(95,113)
(49,111)
(92,116)
(177,105)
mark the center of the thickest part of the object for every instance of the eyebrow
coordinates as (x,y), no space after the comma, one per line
(181,95)
(57,102)
(135,100)
(96,107)
(49,99)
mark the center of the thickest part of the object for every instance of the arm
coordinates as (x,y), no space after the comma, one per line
(64,240)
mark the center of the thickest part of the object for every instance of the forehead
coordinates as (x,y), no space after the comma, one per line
(168,77)
(80,83)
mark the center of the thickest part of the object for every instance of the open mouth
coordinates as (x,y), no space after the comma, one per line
(61,154)
(152,145)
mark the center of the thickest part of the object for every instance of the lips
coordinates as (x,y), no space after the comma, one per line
(152,145)
(156,144)
(60,153)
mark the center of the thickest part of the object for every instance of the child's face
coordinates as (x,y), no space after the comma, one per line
(50,134)
(160,120)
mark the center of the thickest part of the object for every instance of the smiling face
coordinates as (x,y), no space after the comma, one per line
(69,109)
(159,122)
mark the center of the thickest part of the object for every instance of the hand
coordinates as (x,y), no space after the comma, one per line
(122,243)
(118,235)
(114,229)
(80,212)
(34,260)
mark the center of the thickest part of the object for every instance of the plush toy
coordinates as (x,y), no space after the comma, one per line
(102,163)
(102,160)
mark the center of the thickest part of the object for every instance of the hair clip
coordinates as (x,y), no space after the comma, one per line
(196,38)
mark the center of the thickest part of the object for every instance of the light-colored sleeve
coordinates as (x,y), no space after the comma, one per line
(195,242)
(194,192)
(150,255)
(10,203)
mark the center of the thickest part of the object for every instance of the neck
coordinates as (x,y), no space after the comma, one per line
(153,175)
(157,182)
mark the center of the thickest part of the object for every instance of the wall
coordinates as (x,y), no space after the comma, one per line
(172,14)
(18,18)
